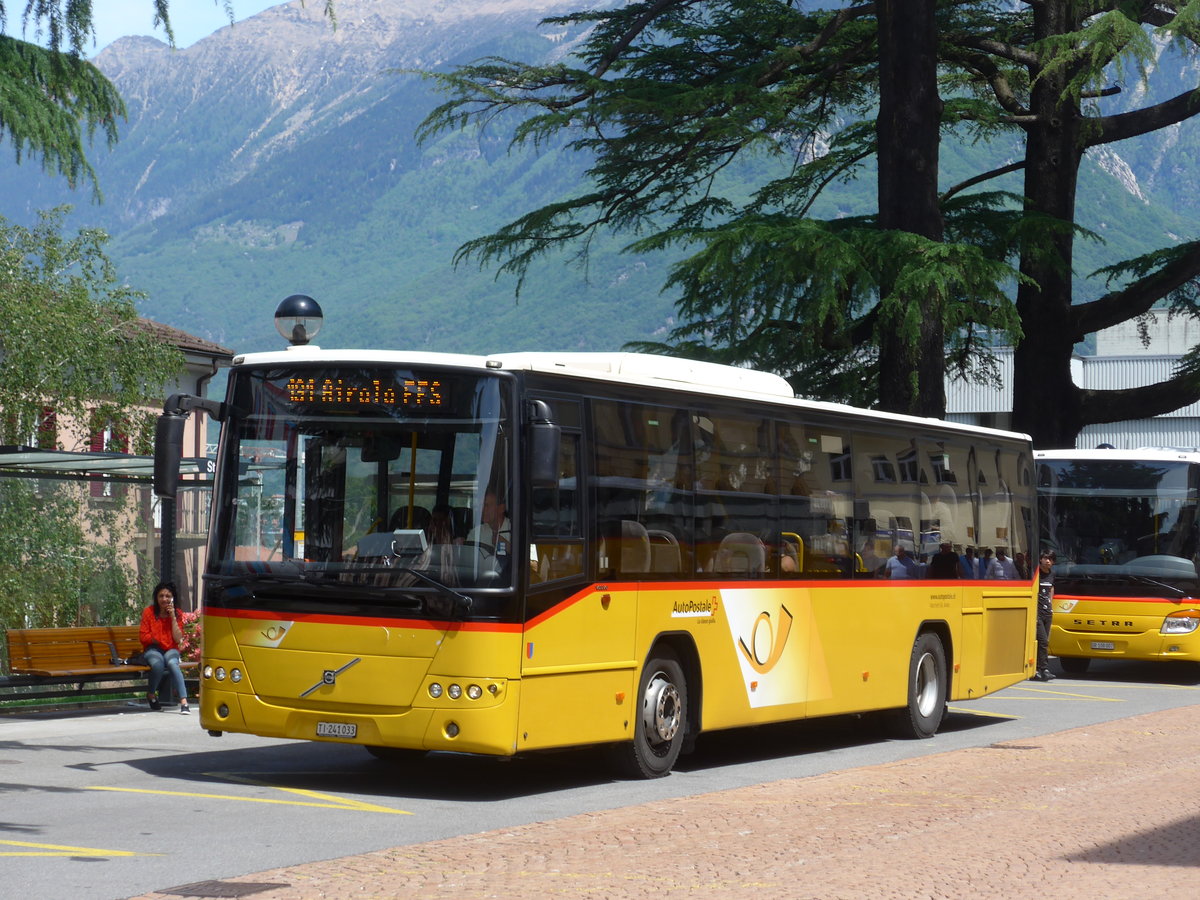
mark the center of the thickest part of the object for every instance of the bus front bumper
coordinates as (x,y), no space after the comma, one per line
(488,730)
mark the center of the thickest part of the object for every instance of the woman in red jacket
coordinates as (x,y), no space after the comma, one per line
(162,636)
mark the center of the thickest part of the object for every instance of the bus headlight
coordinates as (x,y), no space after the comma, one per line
(1182,622)
(454,691)
(435,690)
(474,692)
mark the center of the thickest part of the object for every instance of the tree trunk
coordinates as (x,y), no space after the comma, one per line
(1046,403)
(911,373)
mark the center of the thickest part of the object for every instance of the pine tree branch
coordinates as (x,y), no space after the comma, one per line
(1139,296)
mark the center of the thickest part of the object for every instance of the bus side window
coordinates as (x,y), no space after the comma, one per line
(815,503)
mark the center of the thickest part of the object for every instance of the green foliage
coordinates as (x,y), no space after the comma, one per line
(676,102)
(50,102)
(55,569)
(70,337)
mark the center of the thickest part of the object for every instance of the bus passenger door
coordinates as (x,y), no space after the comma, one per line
(576,664)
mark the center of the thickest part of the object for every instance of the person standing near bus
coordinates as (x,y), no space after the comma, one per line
(1045,614)
(161,634)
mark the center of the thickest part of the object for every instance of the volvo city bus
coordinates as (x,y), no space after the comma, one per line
(501,554)
(1123,525)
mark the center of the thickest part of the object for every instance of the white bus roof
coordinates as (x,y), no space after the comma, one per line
(618,367)
(1142,454)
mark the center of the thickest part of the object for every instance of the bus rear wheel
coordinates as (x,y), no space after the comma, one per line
(661,719)
(1074,665)
(926,706)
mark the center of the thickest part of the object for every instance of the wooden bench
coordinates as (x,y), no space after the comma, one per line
(46,662)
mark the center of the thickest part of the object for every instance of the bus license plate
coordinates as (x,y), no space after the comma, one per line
(337,729)
(1103,645)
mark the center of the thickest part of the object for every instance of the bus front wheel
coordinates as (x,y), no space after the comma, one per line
(922,716)
(661,719)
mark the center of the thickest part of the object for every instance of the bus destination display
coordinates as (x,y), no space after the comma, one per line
(351,393)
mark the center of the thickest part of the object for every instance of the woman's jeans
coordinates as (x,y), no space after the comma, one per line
(161,664)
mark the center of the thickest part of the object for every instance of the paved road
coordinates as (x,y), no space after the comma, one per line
(103,806)
(1104,811)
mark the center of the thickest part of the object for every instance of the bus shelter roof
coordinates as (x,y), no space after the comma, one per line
(69,465)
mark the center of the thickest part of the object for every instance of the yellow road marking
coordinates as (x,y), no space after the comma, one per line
(332,801)
(1053,693)
(63,850)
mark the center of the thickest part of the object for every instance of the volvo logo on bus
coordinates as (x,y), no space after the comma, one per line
(329,676)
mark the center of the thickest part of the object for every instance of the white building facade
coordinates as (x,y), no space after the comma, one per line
(1121,361)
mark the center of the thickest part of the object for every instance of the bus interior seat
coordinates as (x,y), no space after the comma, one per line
(664,551)
(632,548)
(399,519)
(460,520)
(741,552)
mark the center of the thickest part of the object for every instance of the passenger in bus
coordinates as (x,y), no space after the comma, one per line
(945,563)
(901,565)
(1022,566)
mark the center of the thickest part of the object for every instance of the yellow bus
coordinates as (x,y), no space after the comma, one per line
(1124,527)
(503,554)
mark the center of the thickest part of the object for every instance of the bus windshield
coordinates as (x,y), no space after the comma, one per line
(363,488)
(1121,519)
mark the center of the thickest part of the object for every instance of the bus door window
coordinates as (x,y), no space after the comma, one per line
(324,499)
(815,509)
(557,532)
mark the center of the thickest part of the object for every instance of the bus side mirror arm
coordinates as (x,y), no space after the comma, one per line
(168,438)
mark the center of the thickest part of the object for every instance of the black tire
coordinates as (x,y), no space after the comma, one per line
(927,684)
(661,721)
(1074,665)
(396,754)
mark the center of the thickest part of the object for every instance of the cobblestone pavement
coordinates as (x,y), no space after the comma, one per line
(1105,811)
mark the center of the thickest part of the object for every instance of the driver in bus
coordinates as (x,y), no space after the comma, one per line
(494,531)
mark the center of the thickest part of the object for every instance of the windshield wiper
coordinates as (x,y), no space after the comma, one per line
(460,599)
(309,586)
(1119,577)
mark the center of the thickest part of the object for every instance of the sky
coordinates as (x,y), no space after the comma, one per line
(192,20)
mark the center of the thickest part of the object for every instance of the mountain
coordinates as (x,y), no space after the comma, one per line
(277,156)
